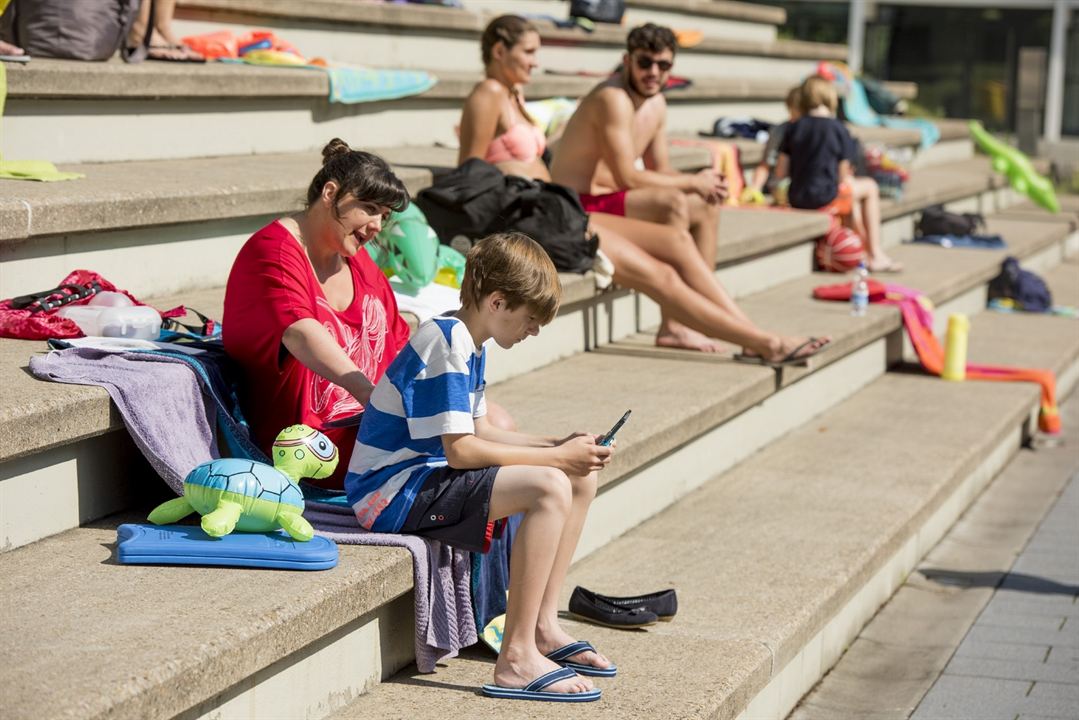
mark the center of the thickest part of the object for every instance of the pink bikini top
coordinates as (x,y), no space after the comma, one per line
(524,142)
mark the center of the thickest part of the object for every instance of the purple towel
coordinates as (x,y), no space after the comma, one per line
(444,617)
(156,395)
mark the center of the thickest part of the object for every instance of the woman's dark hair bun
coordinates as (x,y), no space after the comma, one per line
(334,148)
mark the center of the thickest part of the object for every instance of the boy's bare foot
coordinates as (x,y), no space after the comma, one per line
(883,264)
(554,638)
(517,669)
(679,336)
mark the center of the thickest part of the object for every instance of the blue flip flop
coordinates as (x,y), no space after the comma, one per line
(560,655)
(535,689)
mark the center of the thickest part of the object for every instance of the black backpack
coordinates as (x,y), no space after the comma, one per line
(476,199)
(553,216)
(936,220)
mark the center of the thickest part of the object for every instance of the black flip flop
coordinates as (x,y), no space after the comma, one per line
(791,358)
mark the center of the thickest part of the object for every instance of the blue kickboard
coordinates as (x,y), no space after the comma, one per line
(145,544)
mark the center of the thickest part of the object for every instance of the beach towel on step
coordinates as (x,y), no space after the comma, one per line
(918,322)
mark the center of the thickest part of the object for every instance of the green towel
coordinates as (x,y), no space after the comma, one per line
(27,169)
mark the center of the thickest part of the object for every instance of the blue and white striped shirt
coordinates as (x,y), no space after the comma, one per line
(434,387)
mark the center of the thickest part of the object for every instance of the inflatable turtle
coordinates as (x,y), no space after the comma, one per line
(235,494)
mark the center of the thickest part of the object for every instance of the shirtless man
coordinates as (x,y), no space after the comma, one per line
(625,118)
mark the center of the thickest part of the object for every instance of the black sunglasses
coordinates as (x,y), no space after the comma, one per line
(645,63)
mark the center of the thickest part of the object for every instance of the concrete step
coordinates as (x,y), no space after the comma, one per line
(735,20)
(74,110)
(758,627)
(403,36)
(303,645)
(141,642)
(130,221)
(59,433)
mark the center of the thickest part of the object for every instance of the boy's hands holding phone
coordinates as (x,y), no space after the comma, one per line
(580,454)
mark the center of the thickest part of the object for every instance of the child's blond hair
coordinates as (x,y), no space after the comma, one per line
(794,99)
(816,91)
(516,266)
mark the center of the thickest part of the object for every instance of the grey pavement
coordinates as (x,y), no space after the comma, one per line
(1021,657)
(988,624)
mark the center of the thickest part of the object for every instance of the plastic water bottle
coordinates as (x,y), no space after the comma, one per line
(859,291)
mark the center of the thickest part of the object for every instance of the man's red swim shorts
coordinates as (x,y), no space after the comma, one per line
(611,203)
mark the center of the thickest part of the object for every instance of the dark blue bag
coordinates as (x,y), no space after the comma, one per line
(1028,290)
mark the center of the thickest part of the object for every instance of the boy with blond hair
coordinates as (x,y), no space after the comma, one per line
(427,462)
(763,175)
(817,152)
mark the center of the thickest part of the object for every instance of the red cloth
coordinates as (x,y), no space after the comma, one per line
(918,322)
(25,325)
(271,286)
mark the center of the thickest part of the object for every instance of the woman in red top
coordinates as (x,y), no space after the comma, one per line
(308,316)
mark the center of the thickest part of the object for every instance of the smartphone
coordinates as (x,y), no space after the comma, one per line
(609,437)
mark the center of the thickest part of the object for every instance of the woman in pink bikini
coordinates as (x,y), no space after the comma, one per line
(661,262)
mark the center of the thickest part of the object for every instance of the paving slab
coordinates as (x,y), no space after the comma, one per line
(899,655)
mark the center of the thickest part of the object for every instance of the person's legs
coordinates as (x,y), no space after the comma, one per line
(867,211)
(666,206)
(691,213)
(635,268)
(545,497)
(164,43)
(704,226)
(549,633)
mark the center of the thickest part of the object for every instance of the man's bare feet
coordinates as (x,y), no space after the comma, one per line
(787,349)
(550,639)
(516,669)
(675,335)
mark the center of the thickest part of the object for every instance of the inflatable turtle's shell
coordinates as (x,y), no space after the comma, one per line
(258,488)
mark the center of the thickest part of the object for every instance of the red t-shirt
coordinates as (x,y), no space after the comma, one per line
(270,287)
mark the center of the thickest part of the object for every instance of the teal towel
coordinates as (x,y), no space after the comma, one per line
(355,85)
(857,110)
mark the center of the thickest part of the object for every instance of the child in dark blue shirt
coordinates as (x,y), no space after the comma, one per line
(817,152)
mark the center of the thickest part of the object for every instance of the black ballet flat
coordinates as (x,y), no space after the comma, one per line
(663,603)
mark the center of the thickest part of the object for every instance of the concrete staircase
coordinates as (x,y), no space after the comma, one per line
(785,507)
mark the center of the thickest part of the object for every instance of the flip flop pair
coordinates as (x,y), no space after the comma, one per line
(791,358)
(536,690)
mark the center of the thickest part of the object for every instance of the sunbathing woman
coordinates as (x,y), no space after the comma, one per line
(659,261)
